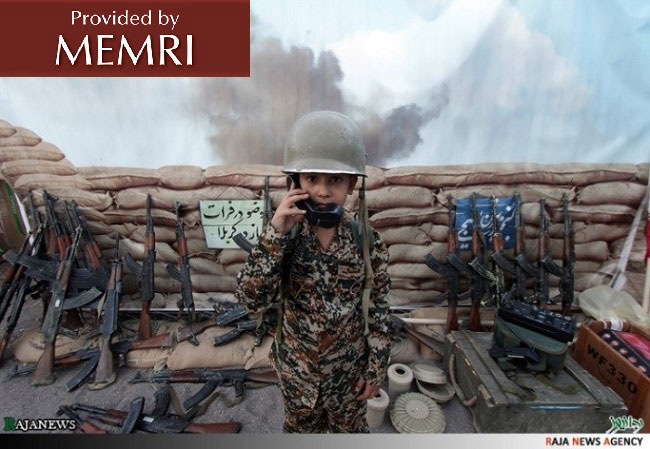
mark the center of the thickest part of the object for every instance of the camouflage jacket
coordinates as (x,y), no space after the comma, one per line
(323,325)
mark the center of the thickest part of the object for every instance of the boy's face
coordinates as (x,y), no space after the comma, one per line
(326,188)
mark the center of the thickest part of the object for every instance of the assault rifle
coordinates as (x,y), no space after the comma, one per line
(21,282)
(182,274)
(565,273)
(61,237)
(213,379)
(83,426)
(121,348)
(538,272)
(43,374)
(476,269)
(447,270)
(105,374)
(270,321)
(145,274)
(95,258)
(156,424)
(497,248)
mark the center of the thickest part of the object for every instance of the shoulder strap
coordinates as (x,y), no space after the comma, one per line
(358,236)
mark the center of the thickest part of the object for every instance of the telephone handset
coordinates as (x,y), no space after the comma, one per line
(327,217)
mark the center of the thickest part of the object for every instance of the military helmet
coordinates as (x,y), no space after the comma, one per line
(325,142)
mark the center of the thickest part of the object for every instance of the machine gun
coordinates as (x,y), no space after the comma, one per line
(538,272)
(146,274)
(96,260)
(182,274)
(566,271)
(447,270)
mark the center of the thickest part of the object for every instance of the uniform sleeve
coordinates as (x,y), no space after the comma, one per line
(259,280)
(379,337)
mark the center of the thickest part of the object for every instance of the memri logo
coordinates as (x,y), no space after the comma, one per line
(12,424)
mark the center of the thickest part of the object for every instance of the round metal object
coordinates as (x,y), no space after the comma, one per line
(440,393)
(429,374)
(416,413)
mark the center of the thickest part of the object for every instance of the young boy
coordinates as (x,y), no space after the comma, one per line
(313,268)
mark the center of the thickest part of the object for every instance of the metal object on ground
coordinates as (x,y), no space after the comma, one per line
(399,379)
(440,393)
(377,409)
(416,413)
(429,374)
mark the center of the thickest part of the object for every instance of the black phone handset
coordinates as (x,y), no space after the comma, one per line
(327,217)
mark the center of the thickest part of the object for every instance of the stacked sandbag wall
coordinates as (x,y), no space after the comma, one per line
(408,206)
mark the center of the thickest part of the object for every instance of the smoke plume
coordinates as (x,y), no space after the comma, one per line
(252,116)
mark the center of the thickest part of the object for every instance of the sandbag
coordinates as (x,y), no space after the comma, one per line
(604,213)
(32,166)
(412,271)
(29,346)
(243,175)
(163,198)
(374,179)
(118,178)
(163,234)
(399,196)
(595,251)
(164,252)
(597,231)
(125,229)
(45,181)
(415,253)
(418,284)
(200,265)
(181,176)
(229,256)
(401,297)
(98,228)
(206,355)
(22,137)
(139,216)
(409,216)
(423,234)
(42,151)
(195,247)
(94,200)
(200,283)
(6,130)
(233,269)
(510,173)
(259,356)
(630,193)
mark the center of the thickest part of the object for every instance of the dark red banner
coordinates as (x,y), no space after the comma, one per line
(125,38)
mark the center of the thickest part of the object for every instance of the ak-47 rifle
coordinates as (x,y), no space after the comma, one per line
(518,288)
(182,274)
(270,321)
(539,272)
(145,274)
(121,348)
(497,247)
(156,424)
(83,426)
(105,373)
(566,271)
(43,374)
(447,270)
(11,279)
(94,256)
(22,282)
(476,269)
(62,238)
(213,379)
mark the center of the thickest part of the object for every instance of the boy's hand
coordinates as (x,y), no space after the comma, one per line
(287,214)
(367,390)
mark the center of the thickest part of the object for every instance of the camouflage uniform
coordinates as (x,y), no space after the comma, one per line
(323,351)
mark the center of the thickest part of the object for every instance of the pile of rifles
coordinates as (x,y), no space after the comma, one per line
(61,264)
(494,278)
